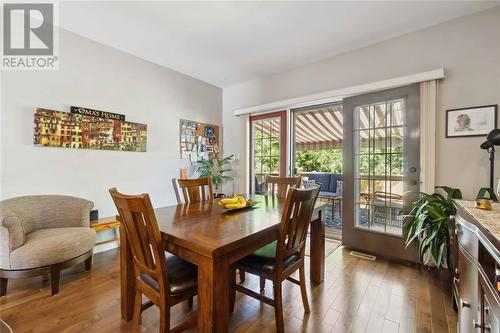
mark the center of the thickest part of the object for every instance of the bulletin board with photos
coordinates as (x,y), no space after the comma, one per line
(198,141)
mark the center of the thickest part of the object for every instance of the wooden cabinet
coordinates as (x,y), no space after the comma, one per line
(467,283)
(490,311)
(476,292)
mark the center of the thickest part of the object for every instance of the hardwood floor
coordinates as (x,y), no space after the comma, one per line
(357,296)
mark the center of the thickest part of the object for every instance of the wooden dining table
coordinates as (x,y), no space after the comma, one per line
(213,238)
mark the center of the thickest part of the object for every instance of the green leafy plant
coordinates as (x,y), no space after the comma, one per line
(427,221)
(218,169)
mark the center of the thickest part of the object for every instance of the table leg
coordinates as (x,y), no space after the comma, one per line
(317,255)
(214,287)
(127,291)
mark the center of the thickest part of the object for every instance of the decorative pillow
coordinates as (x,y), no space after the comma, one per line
(340,184)
(311,184)
(268,251)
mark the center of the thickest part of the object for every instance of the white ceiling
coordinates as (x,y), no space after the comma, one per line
(224,43)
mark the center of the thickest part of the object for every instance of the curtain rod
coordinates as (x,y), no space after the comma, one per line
(339,94)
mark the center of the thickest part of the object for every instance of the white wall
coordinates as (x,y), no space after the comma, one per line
(469,50)
(103,78)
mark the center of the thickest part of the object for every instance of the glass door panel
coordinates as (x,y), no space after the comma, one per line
(267,147)
(317,137)
(381,169)
(379,150)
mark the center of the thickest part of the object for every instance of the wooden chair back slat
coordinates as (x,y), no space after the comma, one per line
(193,190)
(295,220)
(279,185)
(139,221)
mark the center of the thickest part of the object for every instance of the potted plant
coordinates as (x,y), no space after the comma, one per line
(427,221)
(218,169)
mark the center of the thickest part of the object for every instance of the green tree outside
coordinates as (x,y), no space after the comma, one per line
(384,161)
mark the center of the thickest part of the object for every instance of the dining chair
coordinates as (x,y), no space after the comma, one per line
(164,280)
(280,185)
(279,260)
(193,190)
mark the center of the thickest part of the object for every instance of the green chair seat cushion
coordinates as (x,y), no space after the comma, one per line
(268,251)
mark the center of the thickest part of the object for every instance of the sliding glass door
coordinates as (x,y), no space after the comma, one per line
(317,137)
(267,148)
(381,163)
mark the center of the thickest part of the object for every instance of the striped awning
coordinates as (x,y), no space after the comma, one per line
(321,127)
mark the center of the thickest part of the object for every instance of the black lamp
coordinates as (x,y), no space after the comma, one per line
(492,140)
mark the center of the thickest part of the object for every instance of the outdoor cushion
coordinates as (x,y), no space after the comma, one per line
(340,187)
(333,182)
(328,195)
(51,246)
(321,177)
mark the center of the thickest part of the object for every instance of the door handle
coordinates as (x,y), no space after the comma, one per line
(412,170)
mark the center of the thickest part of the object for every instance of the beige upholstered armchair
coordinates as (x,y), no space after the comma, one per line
(43,234)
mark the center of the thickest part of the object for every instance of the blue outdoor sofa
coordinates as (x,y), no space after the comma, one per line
(328,183)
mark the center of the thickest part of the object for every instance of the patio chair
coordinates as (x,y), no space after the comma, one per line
(386,207)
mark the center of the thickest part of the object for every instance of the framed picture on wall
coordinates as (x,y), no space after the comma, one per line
(473,121)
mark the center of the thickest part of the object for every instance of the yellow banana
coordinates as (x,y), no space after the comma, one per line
(241,202)
(232,200)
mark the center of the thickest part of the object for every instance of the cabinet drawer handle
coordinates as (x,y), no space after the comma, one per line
(487,328)
(476,324)
(464,304)
(457,271)
(456,280)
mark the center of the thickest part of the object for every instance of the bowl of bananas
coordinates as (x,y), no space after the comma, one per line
(236,202)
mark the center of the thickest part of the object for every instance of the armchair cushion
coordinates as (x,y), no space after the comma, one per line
(52,245)
(50,211)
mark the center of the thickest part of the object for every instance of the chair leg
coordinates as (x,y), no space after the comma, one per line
(190,303)
(233,290)
(88,264)
(165,319)
(303,289)
(262,284)
(278,308)
(136,317)
(242,275)
(55,274)
(3,286)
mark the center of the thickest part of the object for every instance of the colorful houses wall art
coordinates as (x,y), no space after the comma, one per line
(73,130)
